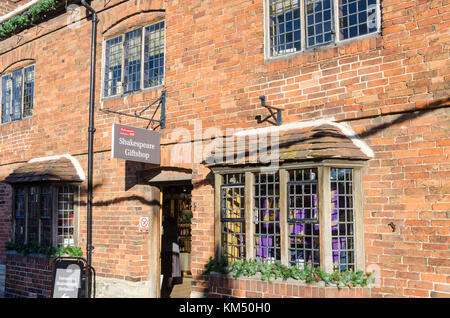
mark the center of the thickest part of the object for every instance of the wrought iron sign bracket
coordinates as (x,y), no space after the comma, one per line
(276,117)
(161,104)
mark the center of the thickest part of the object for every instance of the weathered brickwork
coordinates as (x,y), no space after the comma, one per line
(391,88)
(28,276)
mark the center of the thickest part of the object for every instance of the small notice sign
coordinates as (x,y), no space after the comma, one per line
(135,144)
(144,224)
(67,276)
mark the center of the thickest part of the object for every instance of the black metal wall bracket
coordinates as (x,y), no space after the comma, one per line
(161,103)
(276,117)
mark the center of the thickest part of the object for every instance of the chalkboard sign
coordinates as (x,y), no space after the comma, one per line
(68,277)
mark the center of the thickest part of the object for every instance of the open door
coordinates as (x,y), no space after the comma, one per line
(176,241)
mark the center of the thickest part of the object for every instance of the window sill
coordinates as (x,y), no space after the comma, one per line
(271,59)
(142,91)
(25,119)
(221,285)
(290,281)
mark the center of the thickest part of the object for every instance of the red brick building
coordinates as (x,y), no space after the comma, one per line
(357,172)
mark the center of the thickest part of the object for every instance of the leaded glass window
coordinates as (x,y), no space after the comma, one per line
(357,17)
(319,22)
(154,55)
(133,45)
(113,67)
(33,215)
(267,216)
(46,216)
(19,215)
(16,112)
(285,36)
(134,60)
(35,209)
(303,218)
(6,98)
(28,91)
(17,94)
(66,215)
(233,217)
(342,219)
(302,215)
(298,25)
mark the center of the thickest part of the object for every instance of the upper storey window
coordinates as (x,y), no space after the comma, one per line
(134,60)
(17,90)
(299,25)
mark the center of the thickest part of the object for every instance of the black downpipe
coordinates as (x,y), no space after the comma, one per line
(91,131)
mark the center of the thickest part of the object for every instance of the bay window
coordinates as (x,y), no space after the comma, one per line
(45,214)
(301,214)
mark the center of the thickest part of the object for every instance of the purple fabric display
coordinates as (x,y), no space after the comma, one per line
(263,251)
(338,244)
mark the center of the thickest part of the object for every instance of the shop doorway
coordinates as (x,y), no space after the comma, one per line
(176,241)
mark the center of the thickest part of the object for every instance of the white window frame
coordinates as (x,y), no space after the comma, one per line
(304,49)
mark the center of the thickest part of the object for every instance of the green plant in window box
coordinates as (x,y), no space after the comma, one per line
(269,271)
(49,251)
(27,18)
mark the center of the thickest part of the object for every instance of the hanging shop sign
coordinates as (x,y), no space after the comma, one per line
(135,144)
(68,274)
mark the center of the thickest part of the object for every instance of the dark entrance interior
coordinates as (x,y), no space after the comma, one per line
(176,241)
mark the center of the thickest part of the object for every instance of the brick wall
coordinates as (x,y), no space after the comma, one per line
(7,6)
(28,276)
(393,89)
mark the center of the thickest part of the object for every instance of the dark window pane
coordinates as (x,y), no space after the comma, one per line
(357,17)
(28,91)
(318,15)
(303,216)
(132,67)
(342,226)
(113,67)
(267,218)
(154,55)
(284,26)
(6,98)
(233,217)
(17,78)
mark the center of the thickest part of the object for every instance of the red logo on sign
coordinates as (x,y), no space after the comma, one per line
(126,131)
